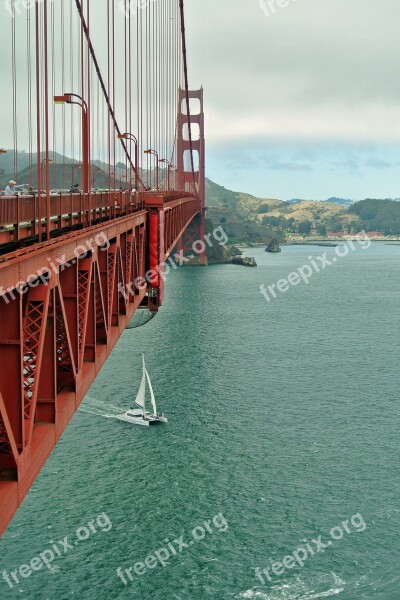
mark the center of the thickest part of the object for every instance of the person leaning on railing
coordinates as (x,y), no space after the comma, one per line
(11,188)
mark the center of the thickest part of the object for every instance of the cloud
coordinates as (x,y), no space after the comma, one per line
(317,69)
(378,163)
(290,166)
(312,88)
(349,164)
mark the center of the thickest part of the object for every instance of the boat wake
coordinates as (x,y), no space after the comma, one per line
(100,409)
(284,596)
(296,591)
(97,414)
(102,405)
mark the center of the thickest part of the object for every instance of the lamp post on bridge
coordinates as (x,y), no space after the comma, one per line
(120,181)
(173,168)
(70,98)
(154,153)
(133,138)
(170,168)
(2,151)
(79,101)
(74,166)
(95,170)
(43,163)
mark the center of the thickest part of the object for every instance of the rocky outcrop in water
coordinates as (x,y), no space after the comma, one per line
(223,255)
(273,246)
(220,254)
(246,261)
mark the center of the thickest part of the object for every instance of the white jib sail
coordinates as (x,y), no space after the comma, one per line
(153,400)
(140,398)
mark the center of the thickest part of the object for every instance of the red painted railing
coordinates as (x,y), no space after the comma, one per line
(24,216)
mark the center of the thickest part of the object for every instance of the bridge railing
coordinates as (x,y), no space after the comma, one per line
(178,214)
(27,208)
(24,216)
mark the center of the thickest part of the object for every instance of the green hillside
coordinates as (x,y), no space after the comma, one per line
(236,211)
(378,215)
(247,218)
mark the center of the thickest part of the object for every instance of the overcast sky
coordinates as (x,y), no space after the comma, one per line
(302,100)
(302,97)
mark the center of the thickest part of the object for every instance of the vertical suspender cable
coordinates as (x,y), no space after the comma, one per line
(101,80)
(53,91)
(71,79)
(38,111)
(139,89)
(46,117)
(62,38)
(113,85)
(89,110)
(109,86)
(29,95)
(14,94)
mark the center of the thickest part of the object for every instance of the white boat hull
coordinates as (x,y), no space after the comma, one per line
(139,419)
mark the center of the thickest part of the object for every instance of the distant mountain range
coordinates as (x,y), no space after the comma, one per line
(247,218)
(346,202)
(340,201)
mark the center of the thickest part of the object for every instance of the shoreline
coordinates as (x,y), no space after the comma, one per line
(319,241)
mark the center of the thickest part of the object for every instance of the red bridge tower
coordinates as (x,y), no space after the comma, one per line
(189,180)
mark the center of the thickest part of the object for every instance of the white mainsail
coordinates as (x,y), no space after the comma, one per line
(153,400)
(141,395)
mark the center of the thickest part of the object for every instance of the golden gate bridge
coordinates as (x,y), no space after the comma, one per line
(108,142)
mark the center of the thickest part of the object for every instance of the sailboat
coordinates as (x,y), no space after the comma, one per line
(139,415)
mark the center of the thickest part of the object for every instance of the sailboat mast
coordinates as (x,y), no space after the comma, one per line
(143,379)
(152,397)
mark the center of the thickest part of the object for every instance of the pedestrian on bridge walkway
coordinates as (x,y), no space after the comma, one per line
(10,189)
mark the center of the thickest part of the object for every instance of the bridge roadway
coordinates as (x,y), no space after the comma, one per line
(63,308)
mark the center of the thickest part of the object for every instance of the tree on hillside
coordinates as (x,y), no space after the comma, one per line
(335,225)
(378,215)
(264,208)
(305,227)
(273,221)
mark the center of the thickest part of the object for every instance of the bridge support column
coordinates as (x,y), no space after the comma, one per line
(156,253)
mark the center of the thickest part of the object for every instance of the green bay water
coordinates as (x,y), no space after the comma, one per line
(283,418)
